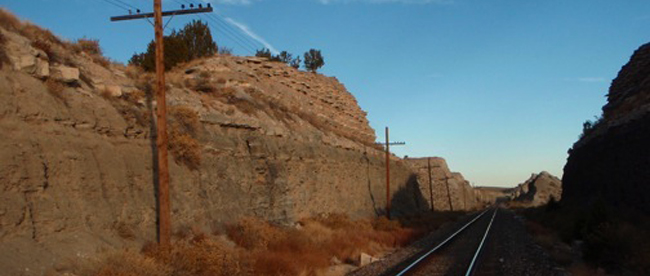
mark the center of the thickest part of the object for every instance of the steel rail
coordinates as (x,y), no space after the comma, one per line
(470,269)
(421,258)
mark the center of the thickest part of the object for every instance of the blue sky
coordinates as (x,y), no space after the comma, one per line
(499,88)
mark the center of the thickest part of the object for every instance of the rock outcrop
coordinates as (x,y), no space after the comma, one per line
(537,190)
(611,162)
(449,190)
(248,137)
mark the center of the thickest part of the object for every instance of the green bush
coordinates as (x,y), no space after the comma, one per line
(313,60)
(192,42)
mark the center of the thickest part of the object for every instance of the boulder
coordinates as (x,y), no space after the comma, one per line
(113,90)
(365,259)
(65,74)
(25,63)
(42,68)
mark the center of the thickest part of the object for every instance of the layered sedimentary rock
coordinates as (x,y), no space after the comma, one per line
(449,190)
(76,168)
(611,162)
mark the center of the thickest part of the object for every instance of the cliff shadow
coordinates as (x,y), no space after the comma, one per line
(149,92)
(378,211)
(408,200)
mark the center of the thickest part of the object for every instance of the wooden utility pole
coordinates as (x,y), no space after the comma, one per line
(387,175)
(164,216)
(430,182)
(387,144)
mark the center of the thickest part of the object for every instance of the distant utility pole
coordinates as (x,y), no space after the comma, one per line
(164,216)
(430,182)
(387,144)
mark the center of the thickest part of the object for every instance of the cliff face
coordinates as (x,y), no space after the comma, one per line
(537,190)
(450,189)
(611,163)
(247,138)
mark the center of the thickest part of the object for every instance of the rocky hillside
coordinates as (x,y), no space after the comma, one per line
(537,190)
(450,189)
(248,137)
(611,162)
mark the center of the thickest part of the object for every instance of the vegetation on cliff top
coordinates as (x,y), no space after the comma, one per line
(192,42)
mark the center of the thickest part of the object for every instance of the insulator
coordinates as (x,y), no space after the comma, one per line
(183,7)
(192,6)
(200,6)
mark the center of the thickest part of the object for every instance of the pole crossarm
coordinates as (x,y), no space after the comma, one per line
(167,13)
(393,143)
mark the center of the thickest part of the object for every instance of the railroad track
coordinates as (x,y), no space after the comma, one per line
(458,254)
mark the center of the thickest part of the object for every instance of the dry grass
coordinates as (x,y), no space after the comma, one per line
(186,117)
(129,263)
(184,125)
(45,47)
(262,248)
(56,88)
(9,21)
(185,148)
(90,46)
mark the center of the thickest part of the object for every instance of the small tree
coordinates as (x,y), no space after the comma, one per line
(265,53)
(313,60)
(194,41)
(196,36)
(295,63)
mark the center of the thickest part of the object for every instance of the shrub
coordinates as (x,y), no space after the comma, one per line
(129,263)
(45,47)
(588,126)
(284,57)
(90,46)
(186,117)
(9,21)
(56,88)
(225,51)
(185,148)
(192,42)
(184,124)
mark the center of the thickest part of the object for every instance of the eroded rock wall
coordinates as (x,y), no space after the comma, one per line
(450,190)
(611,163)
(76,169)
(537,190)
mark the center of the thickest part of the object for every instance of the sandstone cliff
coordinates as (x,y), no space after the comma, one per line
(537,190)
(611,162)
(450,190)
(248,137)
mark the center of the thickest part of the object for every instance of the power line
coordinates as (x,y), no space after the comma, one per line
(238,40)
(127,4)
(228,27)
(244,41)
(116,4)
